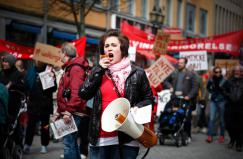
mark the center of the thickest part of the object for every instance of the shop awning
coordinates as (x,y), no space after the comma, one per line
(27,28)
(71,36)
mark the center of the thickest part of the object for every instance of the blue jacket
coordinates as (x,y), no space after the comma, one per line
(3,103)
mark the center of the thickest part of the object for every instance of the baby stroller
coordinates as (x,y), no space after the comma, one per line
(12,147)
(172,120)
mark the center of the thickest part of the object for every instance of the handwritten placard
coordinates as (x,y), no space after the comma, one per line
(159,71)
(226,64)
(160,44)
(197,60)
(47,54)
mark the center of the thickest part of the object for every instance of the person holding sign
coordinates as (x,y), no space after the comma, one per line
(40,104)
(112,78)
(183,83)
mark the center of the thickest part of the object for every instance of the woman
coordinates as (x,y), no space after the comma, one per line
(114,77)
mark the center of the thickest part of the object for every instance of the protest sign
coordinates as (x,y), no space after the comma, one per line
(163,99)
(160,44)
(61,129)
(47,54)
(197,60)
(47,80)
(226,63)
(159,71)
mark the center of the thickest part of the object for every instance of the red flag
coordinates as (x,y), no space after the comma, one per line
(139,39)
(80,45)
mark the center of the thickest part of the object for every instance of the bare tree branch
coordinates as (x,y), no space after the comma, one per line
(90,7)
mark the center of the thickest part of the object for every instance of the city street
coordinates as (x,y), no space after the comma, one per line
(198,149)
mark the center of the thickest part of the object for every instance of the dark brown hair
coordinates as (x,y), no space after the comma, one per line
(185,59)
(122,38)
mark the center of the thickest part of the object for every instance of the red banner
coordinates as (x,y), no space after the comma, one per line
(19,51)
(227,43)
(24,52)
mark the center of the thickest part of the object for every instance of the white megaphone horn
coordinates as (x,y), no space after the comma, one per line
(117,116)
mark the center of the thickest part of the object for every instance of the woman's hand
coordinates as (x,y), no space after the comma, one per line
(104,61)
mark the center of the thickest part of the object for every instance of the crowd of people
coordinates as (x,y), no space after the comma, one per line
(213,96)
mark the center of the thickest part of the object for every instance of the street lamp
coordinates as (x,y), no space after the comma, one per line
(156,17)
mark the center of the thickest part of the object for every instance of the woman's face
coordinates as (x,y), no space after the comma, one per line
(5,65)
(112,47)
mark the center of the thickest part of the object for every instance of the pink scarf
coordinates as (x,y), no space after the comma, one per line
(120,72)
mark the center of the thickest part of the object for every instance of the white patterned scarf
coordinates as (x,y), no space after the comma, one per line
(120,72)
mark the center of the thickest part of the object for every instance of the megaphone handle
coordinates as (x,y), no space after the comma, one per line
(148,138)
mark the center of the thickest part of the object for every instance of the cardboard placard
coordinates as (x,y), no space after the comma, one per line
(226,63)
(160,70)
(47,54)
(160,44)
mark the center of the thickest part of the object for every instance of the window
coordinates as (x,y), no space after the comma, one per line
(190,18)
(169,13)
(130,6)
(23,34)
(157,3)
(179,14)
(115,5)
(144,9)
(203,22)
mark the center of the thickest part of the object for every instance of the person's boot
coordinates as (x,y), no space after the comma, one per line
(209,139)
(238,147)
(26,149)
(231,144)
(221,139)
(43,149)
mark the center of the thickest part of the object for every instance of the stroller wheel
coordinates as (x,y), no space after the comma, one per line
(161,139)
(184,139)
(178,139)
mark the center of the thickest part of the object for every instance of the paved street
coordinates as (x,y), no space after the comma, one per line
(198,149)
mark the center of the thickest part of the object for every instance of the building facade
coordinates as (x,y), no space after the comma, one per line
(53,22)
(228,16)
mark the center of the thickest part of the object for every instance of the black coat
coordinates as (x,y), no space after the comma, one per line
(137,91)
(40,101)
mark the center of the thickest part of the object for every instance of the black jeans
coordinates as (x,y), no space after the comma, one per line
(83,134)
(31,127)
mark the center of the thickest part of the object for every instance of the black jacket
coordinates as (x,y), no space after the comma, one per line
(137,91)
(40,101)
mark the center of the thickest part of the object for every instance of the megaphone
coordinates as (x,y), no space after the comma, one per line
(117,116)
